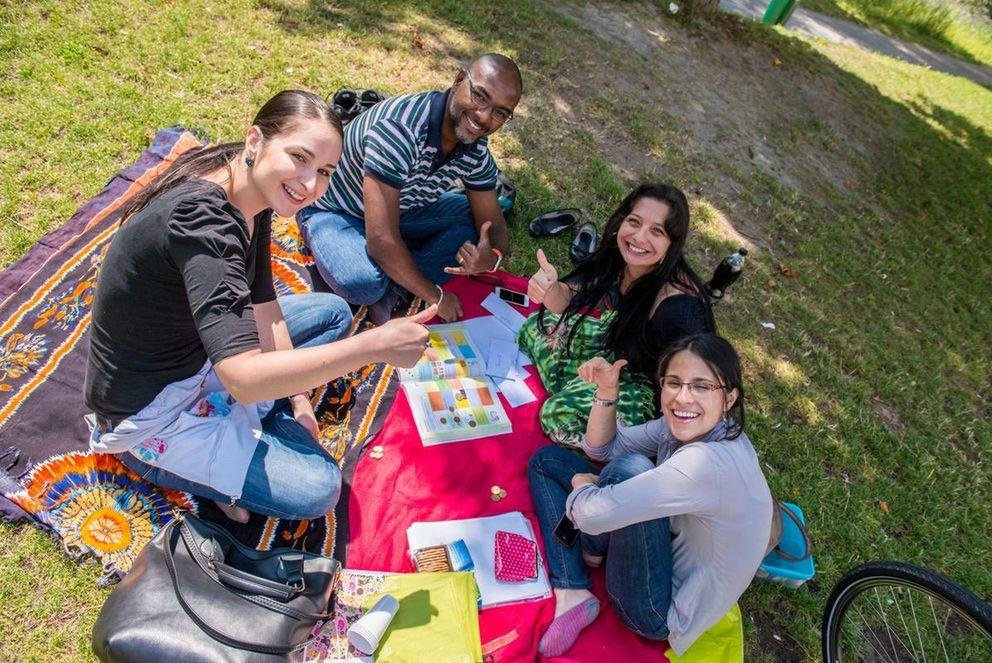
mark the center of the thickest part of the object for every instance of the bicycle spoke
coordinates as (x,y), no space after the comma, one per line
(871,631)
(902,618)
(889,629)
(916,622)
(940,631)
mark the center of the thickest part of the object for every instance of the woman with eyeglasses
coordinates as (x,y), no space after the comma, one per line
(648,297)
(683,535)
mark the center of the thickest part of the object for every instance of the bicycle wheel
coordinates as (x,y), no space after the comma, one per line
(890,611)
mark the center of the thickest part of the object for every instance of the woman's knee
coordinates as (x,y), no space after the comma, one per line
(319,489)
(624,467)
(335,312)
(552,453)
(651,624)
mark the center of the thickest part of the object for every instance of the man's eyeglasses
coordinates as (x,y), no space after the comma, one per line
(700,388)
(482,101)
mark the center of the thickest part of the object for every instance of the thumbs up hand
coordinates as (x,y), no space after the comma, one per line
(543,280)
(475,258)
(603,374)
(405,339)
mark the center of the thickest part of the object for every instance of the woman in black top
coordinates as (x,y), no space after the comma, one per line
(648,295)
(189,343)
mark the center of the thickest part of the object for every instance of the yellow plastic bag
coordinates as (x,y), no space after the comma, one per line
(438,619)
(722,643)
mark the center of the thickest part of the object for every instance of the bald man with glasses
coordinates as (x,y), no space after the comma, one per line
(389,222)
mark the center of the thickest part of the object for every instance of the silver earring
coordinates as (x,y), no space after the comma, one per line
(249,161)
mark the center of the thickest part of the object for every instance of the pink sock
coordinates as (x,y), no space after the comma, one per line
(563,631)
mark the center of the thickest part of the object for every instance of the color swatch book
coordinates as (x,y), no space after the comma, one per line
(451,397)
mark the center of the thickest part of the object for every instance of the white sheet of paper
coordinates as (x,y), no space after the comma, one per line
(501,366)
(505,313)
(516,392)
(486,329)
(501,359)
(479,535)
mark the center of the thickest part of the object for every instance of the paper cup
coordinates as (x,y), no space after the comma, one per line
(365,634)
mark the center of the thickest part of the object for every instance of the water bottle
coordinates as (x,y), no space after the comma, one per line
(728,271)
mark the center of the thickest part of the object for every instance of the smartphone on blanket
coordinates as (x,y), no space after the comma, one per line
(513,297)
(566,532)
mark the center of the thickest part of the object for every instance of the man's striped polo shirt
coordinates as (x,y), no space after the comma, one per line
(398,141)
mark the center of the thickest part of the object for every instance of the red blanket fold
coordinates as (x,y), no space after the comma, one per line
(412,483)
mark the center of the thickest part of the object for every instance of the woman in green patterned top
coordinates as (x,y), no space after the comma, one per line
(632,298)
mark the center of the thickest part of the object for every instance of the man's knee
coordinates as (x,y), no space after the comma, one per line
(358,284)
(624,467)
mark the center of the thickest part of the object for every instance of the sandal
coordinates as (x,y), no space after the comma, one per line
(554,222)
(585,242)
(369,98)
(345,103)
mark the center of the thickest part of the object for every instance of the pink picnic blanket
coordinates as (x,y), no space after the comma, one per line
(411,482)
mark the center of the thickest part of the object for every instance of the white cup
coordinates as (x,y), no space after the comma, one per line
(365,634)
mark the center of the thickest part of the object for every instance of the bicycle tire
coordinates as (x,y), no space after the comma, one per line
(901,580)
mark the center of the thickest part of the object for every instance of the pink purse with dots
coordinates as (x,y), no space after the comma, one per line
(515,557)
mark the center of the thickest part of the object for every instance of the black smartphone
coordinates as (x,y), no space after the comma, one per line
(566,532)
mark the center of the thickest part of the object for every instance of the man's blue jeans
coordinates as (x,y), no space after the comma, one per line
(638,557)
(290,475)
(337,241)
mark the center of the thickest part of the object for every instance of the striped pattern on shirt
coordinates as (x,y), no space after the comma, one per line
(397,142)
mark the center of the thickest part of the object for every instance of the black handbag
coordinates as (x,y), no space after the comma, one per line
(197,594)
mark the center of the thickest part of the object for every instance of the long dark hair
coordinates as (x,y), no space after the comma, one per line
(629,335)
(725,363)
(278,115)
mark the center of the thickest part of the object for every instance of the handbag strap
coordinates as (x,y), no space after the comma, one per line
(214,633)
(808,545)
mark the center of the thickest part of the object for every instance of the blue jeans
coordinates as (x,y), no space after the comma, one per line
(290,476)
(638,557)
(337,241)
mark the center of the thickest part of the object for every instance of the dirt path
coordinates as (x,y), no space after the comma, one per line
(844,32)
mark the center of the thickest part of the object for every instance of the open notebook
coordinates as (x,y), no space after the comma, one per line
(450,395)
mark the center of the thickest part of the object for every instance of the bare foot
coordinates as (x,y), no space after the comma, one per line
(236,513)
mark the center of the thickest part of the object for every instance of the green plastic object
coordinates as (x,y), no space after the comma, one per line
(778,12)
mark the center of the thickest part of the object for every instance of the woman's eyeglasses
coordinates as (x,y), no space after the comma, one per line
(700,388)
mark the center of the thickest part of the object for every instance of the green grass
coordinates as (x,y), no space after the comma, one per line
(942,26)
(868,179)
